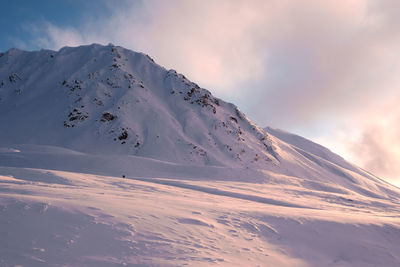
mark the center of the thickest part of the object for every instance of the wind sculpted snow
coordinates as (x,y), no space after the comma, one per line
(96,220)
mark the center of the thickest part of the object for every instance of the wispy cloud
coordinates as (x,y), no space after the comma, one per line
(51,36)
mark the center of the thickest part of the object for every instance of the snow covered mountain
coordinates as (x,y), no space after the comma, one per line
(107,99)
(203,185)
(101,99)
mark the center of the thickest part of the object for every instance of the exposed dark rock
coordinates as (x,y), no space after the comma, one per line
(14,78)
(233,119)
(123,135)
(107,117)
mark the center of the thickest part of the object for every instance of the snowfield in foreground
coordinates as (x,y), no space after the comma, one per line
(63,218)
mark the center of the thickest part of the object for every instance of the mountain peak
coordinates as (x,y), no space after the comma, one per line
(110,99)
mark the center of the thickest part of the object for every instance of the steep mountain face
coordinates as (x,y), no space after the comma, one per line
(107,99)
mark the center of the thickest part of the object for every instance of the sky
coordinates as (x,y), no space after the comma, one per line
(326,70)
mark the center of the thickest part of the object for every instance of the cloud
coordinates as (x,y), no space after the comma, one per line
(370,138)
(378,147)
(326,61)
(310,66)
(376,153)
(56,37)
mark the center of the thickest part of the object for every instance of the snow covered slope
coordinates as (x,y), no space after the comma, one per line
(319,166)
(203,184)
(310,147)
